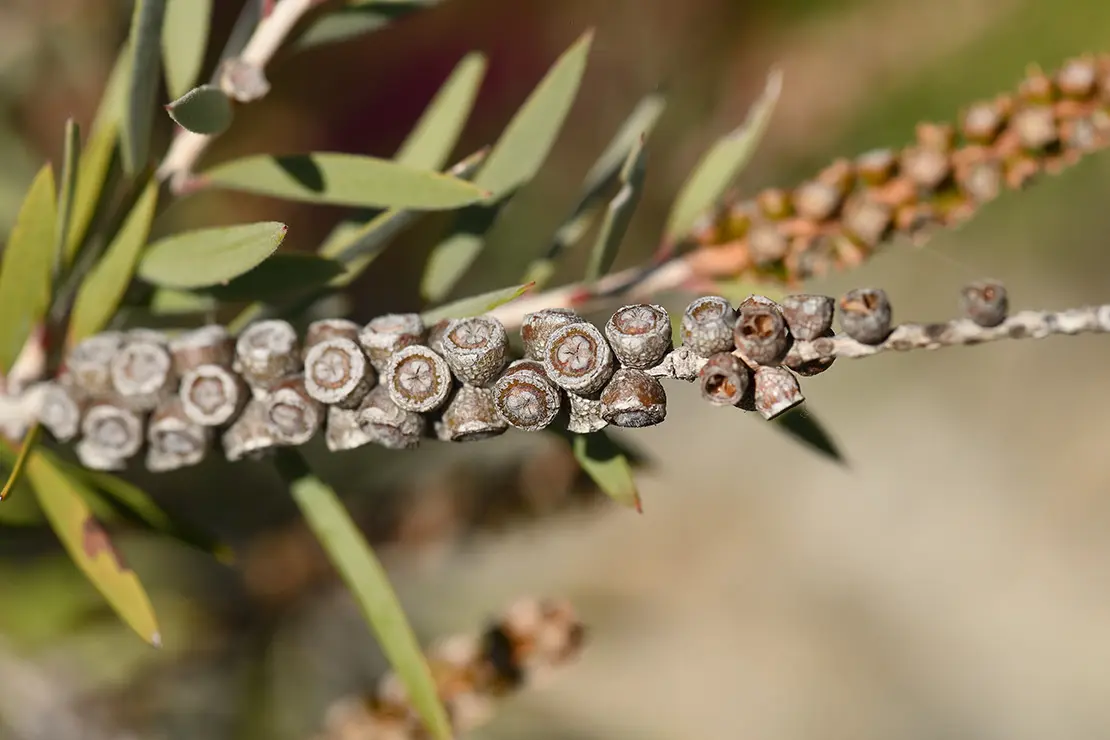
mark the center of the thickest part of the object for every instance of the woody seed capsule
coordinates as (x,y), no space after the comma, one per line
(60,410)
(475,349)
(985,302)
(211,394)
(776,391)
(1036,128)
(387,424)
(142,370)
(111,433)
(325,329)
(525,397)
(208,345)
(578,359)
(174,441)
(293,415)
(724,379)
(88,364)
(471,416)
(633,399)
(417,379)
(337,372)
(811,367)
(808,316)
(537,328)
(435,336)
(585,415)
(707,325)
(251,435)
(639,335)
(342,430)
(866,315)
(266,352)
(386,335)
(761,334)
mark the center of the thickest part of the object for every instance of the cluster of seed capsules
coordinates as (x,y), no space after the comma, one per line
(396,382)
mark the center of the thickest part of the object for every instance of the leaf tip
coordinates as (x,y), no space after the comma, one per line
(156,639)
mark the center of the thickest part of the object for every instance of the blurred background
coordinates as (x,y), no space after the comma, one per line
(951,580)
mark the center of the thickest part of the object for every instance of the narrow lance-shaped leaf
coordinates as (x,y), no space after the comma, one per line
(196,259)
(103,288)
(184,41)
(475,305)
(801,425)
(145,41)
(431,142)
(356,19)
(62,500)
(15,474)
(720,165)
(369,584)
(67,189)
(25,268)
(514,160)
(618,215)
(608,468)
(278,275)
(346,180)
(202,110)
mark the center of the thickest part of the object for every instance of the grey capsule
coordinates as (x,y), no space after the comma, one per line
(707,325)
(639,335)
(475,349)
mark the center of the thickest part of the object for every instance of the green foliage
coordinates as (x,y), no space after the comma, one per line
(618,214)
(202,110)
(608,467)
(184,38)
(196,259)
(475,305)
(142,85)
(67,190)
(801,425)
(277,276)
(19,464)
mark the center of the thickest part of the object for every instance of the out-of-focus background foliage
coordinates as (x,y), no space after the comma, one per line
(949,581)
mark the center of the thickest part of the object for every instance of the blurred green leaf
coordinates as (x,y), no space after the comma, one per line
(169,301)
(356,19)
(67,190)
(196,259)
(724,161)
(279,275)
(62,500)
(113,101)
(514,160)
(618,214)
(475,305)
(25,267)
(145,41)
(346,180)
(613,159)
(184,42)
(801,425)
(202,110)
(430,143)
(368,582)
(608,468)
(15,474)
(103,288)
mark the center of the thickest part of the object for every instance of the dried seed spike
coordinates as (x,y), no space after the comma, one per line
(142,371)
(816,200)
(985,302)
(808,316)
(208,345)
(707,325)
(337,372)
(639,335)
(808,368)
(767,243)
(211,395)
(525,397)
(866,315)
(386,335)
(293,415)
(982,122)
(724,379)
(112,431)
(633,399)
(578,359)
(585,415)
(88,364)
(761,334)
(60,410)
(472,416)
(475,349)
(250,436)
(776,391)
(877,166)
(1077,77)
(536,329)
(417,379)
(175,441)
(324,329)
(387,424)
(927,168)
(1036,128)
(774,203)
(266,352)
(342,430)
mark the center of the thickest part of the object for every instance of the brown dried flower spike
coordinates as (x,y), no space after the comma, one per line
(639,335)
(417,379)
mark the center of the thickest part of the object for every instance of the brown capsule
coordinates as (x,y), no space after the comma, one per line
(88,364)
(707,325)
(761,334)
(60,409)
(113,432)
(808,368)
(251,436)
(525,397)
(585,415)
(724,379)
(776,391)
(817,200)
(324,329)
(1077,78)
(985,302)
(639,335)
(808,316)
(293,415)
(386,335)
(337,372)
(342,430)
(472,416)
(537,327)
(208,345)
(174,440)
(982,122)
(1036,128)
(387,424)
(774,203)
(578,359)
(1038,87)
(142,371)
(866,315)
(211,395)
(877,166)
(435,335)
(633,399)
(475,349)
(939,137)
(867,220)
(983,181)
(767,243)
(417,379)
(266,352)
(927,168)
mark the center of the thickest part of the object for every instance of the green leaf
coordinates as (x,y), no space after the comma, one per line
(801,425)
(346,180)
(62,500)
(476,305)
(368,582)
(113,101)
(103,288)
(430,144)
(279,275)
(67,190)
(196,259)
(354,20)
(92,175)
(25,267)
(145,43)
(169,301)
(720,165)
(618,215)
(202,110)
(16,473)
(629,137)
(184,41)
(608,468)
